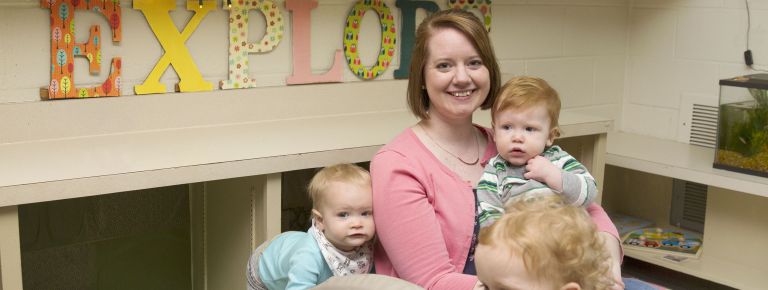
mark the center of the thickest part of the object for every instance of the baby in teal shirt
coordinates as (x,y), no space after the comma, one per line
(337,244)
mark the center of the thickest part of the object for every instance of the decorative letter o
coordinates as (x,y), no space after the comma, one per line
(388,38)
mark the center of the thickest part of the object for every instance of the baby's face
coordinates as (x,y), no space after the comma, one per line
(345,215)
(499,269)
(522,134)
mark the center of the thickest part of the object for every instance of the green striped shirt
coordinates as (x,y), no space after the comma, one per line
(502,183)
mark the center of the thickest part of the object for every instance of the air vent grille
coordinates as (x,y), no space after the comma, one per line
(689,205)
(704,126)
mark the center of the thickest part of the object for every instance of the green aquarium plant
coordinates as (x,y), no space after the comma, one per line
(749,136)
(760,96)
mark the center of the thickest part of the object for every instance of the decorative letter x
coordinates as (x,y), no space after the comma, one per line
(176,52)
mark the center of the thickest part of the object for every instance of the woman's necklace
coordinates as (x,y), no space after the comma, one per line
(477,145)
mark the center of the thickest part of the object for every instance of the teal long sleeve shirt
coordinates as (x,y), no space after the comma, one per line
(293,261)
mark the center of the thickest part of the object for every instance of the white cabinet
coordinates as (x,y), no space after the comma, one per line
(232,161)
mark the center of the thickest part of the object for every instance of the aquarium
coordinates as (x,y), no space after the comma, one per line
(742,127)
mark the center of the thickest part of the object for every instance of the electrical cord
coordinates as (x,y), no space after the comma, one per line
(748,60)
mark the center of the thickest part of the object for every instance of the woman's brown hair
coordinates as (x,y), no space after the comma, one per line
(466,23)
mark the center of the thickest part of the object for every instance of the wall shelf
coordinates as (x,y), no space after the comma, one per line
(678,160)
(45,170)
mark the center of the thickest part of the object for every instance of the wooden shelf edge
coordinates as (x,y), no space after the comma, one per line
(98,185)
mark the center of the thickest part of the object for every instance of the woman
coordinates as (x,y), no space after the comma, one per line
(424,205)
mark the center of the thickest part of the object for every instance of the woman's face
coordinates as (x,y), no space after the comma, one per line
(455,77)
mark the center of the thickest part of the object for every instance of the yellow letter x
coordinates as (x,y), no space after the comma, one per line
(176,52)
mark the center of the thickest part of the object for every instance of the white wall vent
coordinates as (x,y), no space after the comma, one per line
(703,126)
(698,120)
(689,205)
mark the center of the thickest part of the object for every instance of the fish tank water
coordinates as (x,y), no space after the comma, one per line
(742,128)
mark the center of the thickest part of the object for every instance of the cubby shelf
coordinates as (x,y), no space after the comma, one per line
(735,223)
(233,155)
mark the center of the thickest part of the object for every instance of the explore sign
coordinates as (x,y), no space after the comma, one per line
(176,54)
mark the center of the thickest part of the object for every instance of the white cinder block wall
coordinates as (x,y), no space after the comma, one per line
(678,48)
(579,46)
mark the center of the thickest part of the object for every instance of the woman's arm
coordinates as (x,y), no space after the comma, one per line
(603,222)
(408,227)
(610,236)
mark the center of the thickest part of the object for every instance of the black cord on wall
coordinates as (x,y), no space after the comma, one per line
(748,53)
(748,59)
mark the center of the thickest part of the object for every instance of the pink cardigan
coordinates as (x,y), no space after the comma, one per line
(424,215)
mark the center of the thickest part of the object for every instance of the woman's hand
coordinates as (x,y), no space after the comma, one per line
(479,286)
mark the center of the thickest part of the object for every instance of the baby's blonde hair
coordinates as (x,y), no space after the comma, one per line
(523,92)
(342,172)
(557,243)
